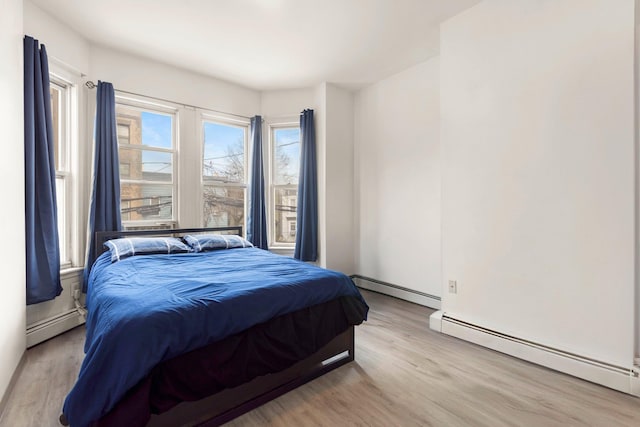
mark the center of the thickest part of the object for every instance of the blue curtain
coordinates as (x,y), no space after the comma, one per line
(307,216)
(41,217)
(257,220)
(105,200)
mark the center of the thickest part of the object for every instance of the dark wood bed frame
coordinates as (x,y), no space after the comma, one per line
(103,236)
(228,404)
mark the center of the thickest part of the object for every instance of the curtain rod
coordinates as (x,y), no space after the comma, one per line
(91,85)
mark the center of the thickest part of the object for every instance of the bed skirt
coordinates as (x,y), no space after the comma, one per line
(269,348)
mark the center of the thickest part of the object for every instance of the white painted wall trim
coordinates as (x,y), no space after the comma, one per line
(288,252)
(396,291)
(51,318)
(435,321)
(635,386)
(12,383)
(616,377)
(49,328)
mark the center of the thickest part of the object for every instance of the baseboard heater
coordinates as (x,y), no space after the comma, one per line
(603,373)
(49,328)
(400,292)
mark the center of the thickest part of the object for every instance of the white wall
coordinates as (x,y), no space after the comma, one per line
(278,104)
(339,239)
(62,42)
(320,117)
(637,167)
(397,179)
(146,77)
(13,301)
(538,172)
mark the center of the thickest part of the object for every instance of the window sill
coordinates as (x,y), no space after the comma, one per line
(69,271)
(280,250)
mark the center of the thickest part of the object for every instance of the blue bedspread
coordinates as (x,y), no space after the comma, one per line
(138,319)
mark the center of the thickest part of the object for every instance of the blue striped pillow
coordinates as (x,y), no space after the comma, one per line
(210,242)
(124,248)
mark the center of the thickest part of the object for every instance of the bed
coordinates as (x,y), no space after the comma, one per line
(201,338)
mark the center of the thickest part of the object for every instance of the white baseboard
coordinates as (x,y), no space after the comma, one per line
(618,378)
(635,386)
(410,295)
(49,328)
(435,321)
(50,318)
(12,382)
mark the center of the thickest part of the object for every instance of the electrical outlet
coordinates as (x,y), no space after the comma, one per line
(453,287)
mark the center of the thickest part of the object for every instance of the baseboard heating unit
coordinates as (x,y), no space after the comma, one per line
(49,328)
(396,291)
(624,379)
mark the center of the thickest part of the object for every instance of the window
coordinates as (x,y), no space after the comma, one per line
(224,165)
(146,151)
(61,116)
(285,167)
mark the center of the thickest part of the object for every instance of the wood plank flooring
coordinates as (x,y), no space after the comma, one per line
(404,375)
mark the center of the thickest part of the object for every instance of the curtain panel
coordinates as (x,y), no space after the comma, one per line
(104,214)
(307,216)
(257,219)
(41,217)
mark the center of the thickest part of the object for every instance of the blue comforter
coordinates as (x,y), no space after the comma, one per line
(146,309)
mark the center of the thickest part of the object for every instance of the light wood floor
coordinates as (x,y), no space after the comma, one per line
(404,375)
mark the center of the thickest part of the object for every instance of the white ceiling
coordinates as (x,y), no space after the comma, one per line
(268,44)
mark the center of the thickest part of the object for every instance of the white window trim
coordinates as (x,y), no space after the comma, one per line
(148,104)
(227,120)
(68,152)
(283,123)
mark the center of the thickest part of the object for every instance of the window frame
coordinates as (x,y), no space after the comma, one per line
(141,103)
(65,167)
(205,116)
(287,123)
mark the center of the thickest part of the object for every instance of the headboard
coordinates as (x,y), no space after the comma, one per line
(103,236)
